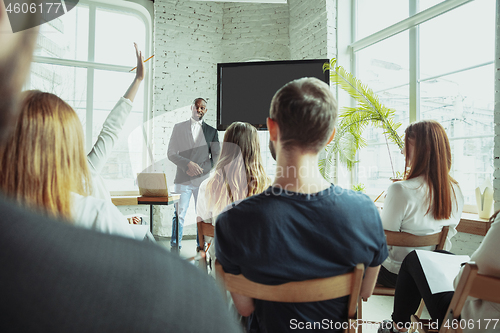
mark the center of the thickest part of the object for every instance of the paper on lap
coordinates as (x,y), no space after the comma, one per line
(440,269)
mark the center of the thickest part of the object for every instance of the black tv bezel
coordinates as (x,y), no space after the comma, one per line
(220,126)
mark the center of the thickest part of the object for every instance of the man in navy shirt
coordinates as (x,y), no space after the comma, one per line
(302,227)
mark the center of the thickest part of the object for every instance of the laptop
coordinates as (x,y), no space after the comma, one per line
(152,184)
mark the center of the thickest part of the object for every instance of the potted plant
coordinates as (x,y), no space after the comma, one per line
(353,121)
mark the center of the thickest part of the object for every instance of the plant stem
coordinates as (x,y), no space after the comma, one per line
(390,157)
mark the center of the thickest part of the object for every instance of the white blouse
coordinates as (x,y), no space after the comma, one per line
(405,210)
(100,215)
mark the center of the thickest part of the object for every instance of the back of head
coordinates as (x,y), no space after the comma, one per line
(431,158)
(239,172)
(44,158)
(305,111)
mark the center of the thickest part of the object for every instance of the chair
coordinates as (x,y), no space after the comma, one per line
(396,238)
(314,290)
(204,229)
(471,284)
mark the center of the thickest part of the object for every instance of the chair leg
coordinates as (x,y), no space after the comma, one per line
(420,308)
(360,314)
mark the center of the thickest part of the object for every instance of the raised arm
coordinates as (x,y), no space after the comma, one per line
(115,121)
(139,76)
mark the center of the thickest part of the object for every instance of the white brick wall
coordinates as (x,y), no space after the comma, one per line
(308,28)
(187,48)
(255,32)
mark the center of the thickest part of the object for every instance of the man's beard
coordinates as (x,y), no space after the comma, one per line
(197,116)
(272,150)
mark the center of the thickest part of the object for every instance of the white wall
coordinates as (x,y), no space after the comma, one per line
(255,32)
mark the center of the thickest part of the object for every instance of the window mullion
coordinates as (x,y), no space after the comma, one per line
(90,78)
(414,66)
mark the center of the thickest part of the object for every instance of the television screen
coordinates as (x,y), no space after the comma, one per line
(245,90)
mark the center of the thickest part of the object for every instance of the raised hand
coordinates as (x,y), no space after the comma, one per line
(139,74)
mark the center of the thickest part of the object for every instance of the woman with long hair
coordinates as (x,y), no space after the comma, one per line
(44,166)
(427,199)
(238,174)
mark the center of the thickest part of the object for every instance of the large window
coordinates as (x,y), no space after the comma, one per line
(432,60)
(85,57)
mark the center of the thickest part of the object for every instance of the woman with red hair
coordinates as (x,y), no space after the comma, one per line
(427,199)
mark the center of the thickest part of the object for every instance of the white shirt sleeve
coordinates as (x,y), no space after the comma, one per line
(100,215)
(106,140)
(395,204)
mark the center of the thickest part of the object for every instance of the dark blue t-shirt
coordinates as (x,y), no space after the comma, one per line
(280,236)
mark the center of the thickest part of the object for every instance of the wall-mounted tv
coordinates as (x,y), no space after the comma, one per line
(245,89)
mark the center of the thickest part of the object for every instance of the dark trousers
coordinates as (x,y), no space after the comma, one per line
(411,286)
(387,278)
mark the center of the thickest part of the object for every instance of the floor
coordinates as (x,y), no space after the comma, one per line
(376,309)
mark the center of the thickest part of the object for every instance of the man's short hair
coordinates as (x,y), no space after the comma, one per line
(199,99)
(305,111)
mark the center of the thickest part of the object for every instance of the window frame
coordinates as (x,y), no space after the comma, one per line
(131,8)
(412,25)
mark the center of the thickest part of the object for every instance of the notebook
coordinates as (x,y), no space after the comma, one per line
(152,184)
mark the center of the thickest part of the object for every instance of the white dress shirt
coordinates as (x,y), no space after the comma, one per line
(196,129)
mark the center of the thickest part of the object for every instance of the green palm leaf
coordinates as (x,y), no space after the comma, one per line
(354,120)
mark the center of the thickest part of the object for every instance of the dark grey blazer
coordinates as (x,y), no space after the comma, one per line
(181,152)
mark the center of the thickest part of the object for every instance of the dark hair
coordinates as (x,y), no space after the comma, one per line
(199,98)
(432,160)
(305,111)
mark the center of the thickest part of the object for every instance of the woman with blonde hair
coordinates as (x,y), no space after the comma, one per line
(238,174)
(44,166)
(427,199)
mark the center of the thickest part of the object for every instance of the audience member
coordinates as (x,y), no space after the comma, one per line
(301,227)
(194,149)
(238,174)
(427,199)
(44,166)
(412,286)
(58,278)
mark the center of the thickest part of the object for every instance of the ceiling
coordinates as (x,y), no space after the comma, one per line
(252,1)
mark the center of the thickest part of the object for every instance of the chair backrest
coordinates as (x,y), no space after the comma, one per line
(205,229)
(314,290)
(472,284)
(395,238)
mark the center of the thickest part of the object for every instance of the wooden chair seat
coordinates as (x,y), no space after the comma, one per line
(204,229)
